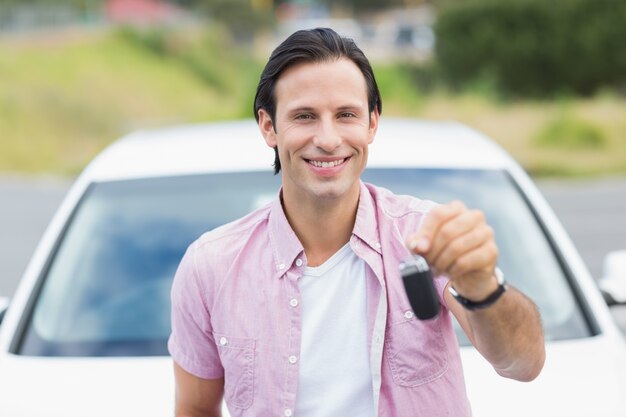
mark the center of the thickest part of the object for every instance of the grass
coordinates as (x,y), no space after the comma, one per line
(63,99)
(566,132)
(522,128)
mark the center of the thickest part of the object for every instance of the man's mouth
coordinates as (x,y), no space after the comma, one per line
(326,164)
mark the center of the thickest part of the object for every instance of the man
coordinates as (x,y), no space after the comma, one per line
(298,309)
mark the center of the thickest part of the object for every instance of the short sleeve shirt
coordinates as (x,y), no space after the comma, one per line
(235,313)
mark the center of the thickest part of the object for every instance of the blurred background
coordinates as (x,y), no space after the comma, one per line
(546,80)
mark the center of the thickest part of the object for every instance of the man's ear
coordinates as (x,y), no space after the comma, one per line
(266,125)
(374,118)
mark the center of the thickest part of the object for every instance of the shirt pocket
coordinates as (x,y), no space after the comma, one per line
(416,349)
(237,357)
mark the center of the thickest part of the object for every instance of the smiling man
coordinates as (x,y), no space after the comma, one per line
(298,309)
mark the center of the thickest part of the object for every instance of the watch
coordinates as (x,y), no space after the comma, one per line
(491,298)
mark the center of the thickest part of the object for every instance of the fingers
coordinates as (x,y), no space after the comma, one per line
(456,236)
(478,237)
(456,241)
(480,259)
(422,241)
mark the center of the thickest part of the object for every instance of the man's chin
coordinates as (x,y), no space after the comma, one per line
(332,193)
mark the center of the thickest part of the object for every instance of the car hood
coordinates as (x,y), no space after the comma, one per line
(580,379)
(86,387)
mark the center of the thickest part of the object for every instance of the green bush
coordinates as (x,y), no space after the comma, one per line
(396,81)
(569,133)
(534,47)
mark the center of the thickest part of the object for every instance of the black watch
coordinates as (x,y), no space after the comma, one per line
(491,298)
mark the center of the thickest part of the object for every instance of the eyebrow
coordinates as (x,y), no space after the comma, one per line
(349,108)
(308,109)
(300,109)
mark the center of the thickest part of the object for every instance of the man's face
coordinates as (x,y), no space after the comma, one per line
(322,129)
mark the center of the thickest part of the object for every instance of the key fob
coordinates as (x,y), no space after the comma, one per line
(419,287)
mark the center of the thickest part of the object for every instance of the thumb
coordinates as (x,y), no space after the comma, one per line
(418,244)
(421,241)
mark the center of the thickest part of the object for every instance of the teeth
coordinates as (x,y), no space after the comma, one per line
(326,164)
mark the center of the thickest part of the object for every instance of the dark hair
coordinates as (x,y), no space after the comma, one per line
(313,45)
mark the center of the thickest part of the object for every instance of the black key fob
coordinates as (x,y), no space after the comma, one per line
(419,287)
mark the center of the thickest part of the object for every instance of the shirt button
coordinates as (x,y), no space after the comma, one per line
(298,262)
(293,302)
(408,314)
(288,412)
(377,244)
(223,341)
(293,359)
(281,266)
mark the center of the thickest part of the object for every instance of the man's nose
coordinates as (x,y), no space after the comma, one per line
(327,137)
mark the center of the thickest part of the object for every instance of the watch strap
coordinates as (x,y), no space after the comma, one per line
(486,302)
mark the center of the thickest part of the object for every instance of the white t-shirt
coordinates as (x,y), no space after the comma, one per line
(335,378)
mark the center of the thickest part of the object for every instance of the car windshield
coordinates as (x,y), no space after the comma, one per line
(106,290)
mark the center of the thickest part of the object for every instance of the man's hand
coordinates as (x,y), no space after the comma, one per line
(459,243)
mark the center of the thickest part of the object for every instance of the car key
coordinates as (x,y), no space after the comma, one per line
(419,287)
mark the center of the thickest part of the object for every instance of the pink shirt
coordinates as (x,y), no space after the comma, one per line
(235,314)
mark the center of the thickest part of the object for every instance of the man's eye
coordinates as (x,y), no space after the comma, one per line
(347,114)
(304,116)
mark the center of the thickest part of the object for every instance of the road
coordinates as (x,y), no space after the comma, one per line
(26,206)
(592,211)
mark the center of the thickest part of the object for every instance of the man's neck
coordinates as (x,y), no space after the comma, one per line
(323,227)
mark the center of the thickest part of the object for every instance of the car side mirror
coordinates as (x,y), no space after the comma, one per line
(4,305)
(613,281)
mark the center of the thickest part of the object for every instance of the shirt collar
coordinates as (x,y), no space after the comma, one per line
(286,246)
(366,223)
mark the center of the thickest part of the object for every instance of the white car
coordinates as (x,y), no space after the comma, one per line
(85,334)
